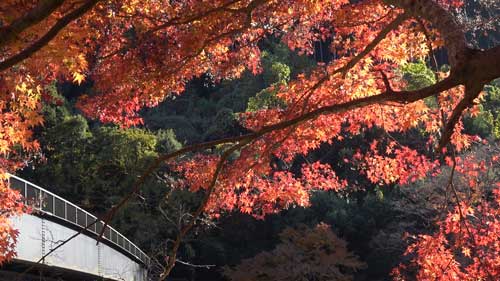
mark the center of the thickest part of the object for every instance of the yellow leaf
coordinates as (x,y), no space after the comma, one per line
(78,77)
(466,251)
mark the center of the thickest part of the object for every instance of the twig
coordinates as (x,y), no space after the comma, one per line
(207,266)
(180,236)
(464,221)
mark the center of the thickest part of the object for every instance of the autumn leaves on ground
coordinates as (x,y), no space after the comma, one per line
(356,140)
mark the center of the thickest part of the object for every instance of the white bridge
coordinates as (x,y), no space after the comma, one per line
(53,220)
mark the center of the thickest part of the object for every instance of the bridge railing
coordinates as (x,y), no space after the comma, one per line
(47,202)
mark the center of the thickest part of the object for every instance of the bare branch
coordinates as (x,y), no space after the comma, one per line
(207,266)
(180,236)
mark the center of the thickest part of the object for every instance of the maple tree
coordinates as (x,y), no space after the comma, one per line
(137,53)
(304,254)
(465,247)
(11,205)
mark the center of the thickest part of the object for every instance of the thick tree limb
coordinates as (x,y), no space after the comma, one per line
(403,97)
(47,37)
(478,70)
(483,66)
(40,12)
(480,67)
(473,68)
(471,93)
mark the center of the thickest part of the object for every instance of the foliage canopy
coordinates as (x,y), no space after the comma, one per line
(135,54)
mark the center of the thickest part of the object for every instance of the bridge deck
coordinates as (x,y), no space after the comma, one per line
(55,219)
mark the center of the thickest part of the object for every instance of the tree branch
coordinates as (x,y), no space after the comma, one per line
(207,266)
(40,12)
(355,60)
(444,21)
(403,97)
(181,21)
(390,27)
(463,220)
(172,258)
(460,61)
(47,37)
(471,93)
